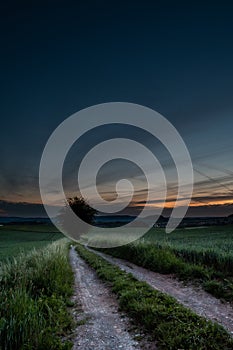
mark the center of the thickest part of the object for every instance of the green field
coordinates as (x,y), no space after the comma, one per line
(16,239)
(208,246)
(218,238)
(211,247)
(200,255)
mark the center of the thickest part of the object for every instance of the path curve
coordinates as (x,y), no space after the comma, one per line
(105,328)
(190,296)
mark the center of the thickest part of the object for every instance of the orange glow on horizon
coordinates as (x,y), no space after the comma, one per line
(171,204)
(168,205)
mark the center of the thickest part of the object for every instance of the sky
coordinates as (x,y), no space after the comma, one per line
(58,57)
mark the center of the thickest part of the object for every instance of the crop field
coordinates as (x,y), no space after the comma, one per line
(16,239)
(210,247)
(201,255)
(216,238)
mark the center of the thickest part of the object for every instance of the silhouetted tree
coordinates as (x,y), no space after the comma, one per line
(82,209)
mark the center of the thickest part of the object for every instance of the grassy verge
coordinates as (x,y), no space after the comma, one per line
(170,324)
(167,261)
(35,291)
(209,246)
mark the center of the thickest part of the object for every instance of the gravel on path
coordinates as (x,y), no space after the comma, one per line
(190,296)
(104,327)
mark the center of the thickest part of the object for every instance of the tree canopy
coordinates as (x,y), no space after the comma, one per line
(81,208)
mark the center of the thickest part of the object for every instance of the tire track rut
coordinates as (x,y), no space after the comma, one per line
(190,296)
(105,328)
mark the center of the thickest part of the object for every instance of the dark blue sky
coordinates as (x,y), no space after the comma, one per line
(61,56)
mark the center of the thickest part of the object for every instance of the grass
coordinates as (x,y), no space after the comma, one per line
(35,292)
(209,246)
(203,256)
(18,239)
(169,324)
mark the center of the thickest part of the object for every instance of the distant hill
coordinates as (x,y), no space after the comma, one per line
(21,220)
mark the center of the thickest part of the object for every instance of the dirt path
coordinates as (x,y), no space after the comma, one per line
(105,328)
(192,297)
